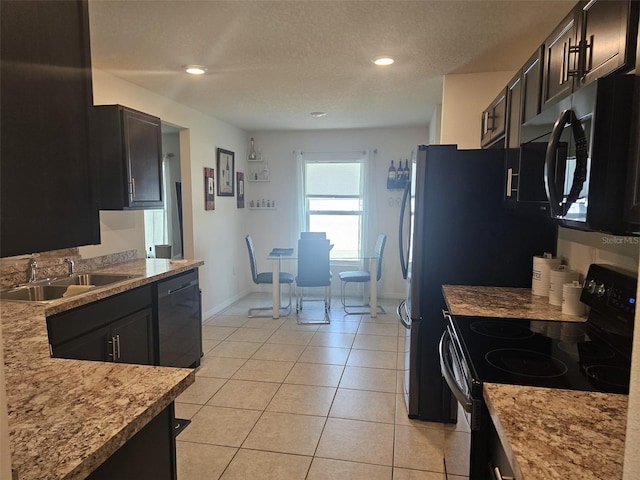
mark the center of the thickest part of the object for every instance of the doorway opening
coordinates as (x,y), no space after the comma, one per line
(163,228)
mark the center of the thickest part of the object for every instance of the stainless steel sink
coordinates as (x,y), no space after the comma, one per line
(96,279)
(33,293)
(46,290)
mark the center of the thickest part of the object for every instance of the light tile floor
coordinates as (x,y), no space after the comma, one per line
(278,400)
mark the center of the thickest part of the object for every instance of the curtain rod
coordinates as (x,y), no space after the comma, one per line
(375,150)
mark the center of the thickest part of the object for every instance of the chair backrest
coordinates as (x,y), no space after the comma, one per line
(379,251)
(314,269)
(313,235)
(252,259)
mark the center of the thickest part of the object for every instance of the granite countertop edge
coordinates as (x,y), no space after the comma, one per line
(559,434)
(502,302)
(58,426)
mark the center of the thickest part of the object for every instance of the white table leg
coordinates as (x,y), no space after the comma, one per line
(373,287)
(275,287)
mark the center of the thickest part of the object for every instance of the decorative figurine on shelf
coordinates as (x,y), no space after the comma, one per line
(252,151)
(265,172)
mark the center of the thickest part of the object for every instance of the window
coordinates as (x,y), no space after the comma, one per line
(334,203)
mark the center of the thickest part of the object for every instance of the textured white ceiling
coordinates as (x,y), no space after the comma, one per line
(271,63)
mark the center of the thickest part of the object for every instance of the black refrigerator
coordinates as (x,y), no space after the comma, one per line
(454,230)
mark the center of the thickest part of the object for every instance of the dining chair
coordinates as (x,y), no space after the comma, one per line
(313,234)
(266,278)
(362,276)
(314,270)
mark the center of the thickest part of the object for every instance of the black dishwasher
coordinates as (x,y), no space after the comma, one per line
(179,321)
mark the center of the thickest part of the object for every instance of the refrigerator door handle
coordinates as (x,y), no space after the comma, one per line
(403,205)
(404,319)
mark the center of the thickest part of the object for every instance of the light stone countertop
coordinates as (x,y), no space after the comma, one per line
(503,302)
(559,434)
(66,417)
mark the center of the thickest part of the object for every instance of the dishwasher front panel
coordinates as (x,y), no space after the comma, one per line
(179,321)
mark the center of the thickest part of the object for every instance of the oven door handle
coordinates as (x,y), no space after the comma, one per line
(447,373)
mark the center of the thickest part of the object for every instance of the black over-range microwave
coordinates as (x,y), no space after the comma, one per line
(575,157)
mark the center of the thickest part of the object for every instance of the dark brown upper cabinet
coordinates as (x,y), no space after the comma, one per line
(129,151)
(494,120)
(632,200)
(532,85)
(595,39)
(608,32)
(48,195)
(514,111)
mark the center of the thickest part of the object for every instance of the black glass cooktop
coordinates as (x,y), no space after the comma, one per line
(541,353)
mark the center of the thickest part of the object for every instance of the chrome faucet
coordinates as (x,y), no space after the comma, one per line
(70,266)
(32,270)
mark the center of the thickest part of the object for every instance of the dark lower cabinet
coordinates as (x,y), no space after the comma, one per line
(116,329)
(150,454)
(157,324)
(127,340)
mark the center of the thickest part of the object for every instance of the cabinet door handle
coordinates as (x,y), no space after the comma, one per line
(587,58)
(498,475)
(113,353)
(573,50)
(117,342)
(133,187)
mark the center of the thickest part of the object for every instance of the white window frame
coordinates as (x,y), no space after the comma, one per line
(308,212)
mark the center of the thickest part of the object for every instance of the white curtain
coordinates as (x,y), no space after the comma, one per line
(299,220)
(370,220)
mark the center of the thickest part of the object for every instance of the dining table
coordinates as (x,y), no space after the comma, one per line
(276,256)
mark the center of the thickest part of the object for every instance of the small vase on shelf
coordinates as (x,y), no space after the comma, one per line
(252,151)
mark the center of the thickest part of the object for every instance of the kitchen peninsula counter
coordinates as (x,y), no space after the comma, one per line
(502,302)
(66,417)
(559,434)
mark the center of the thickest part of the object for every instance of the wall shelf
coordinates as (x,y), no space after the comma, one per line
(261,208)
(258,180)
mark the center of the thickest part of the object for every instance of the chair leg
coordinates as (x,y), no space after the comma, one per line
(327,306)
(361,308)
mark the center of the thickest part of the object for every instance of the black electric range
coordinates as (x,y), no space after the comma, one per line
(542,353)
(590,356)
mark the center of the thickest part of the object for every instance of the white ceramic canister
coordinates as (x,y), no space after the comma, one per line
(542,264)
(557,278)
(571,304)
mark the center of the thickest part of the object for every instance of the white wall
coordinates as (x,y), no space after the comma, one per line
(212,236)
(464,98)
(271,228)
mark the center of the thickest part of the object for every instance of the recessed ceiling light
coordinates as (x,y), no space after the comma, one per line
(195,69)
(383,61)
(318,114)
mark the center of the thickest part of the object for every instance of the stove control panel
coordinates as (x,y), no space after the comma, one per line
(610,290)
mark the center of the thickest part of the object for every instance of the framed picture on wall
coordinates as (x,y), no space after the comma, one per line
(209,194)
(240,182)
(226,173)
